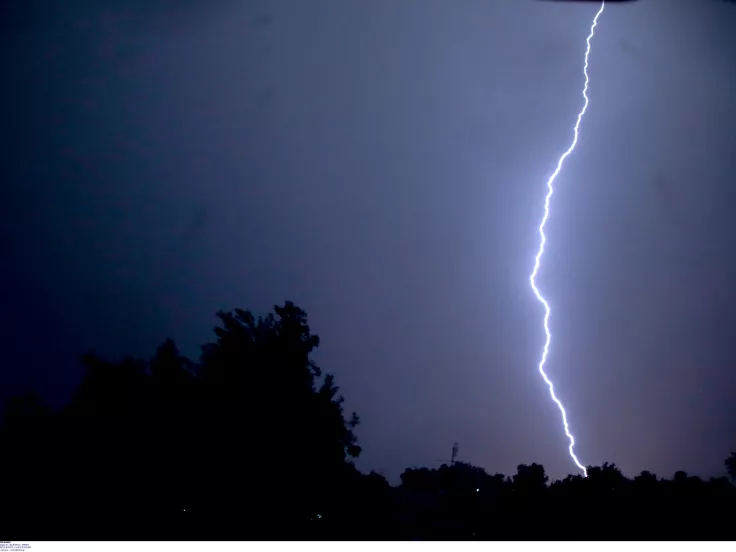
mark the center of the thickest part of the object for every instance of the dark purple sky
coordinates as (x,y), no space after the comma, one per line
(383,164)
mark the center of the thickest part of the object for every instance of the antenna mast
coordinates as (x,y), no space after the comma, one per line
(455,448)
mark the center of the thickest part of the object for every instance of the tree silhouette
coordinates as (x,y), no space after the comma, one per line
(530,480)
(168,444)
(251,442)
(731,465)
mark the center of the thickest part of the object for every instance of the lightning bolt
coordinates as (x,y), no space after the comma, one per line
(533,276)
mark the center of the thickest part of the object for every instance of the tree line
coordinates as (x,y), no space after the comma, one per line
(252,442)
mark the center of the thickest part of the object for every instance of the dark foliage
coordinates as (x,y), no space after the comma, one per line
(252,443)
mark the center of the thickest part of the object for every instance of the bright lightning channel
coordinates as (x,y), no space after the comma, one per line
(532,278)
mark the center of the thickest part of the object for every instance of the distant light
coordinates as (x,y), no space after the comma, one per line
(319,516)
(477,490)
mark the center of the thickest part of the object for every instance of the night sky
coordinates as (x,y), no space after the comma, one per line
(383,164)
